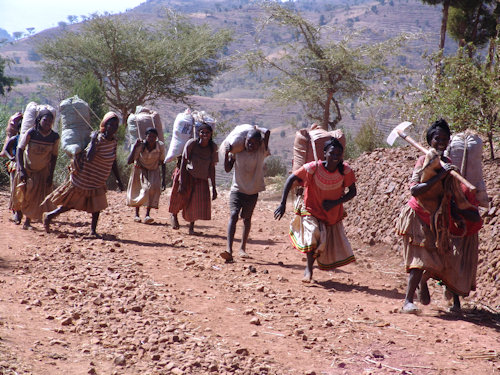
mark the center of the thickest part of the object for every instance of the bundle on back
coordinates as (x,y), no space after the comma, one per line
(76,127)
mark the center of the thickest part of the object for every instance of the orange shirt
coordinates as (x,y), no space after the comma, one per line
(320,184)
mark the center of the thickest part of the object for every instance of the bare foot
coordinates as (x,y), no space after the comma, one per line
(93,233)
(307,279)
(174,222)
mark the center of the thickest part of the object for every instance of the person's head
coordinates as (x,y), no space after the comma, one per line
(44,120)
(205,133)
(151,135)
(109,124)
(253,140)
(16,120)
(438,135)
(334,151)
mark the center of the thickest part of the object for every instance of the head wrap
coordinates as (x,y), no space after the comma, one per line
(108,116)
(41,114)
(440,124)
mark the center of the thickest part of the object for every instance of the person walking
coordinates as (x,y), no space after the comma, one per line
(248,181)
(85,190)
(317,228)
(145,184)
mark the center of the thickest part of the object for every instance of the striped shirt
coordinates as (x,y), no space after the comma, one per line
(94,173)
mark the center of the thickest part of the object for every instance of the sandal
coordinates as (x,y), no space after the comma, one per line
(137,219)
(148,220)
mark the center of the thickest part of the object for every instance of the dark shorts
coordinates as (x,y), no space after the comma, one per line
(244,202)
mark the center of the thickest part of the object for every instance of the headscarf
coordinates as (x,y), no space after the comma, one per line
(12,128)
(43,112)
(108,116)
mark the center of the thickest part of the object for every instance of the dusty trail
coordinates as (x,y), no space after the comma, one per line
(146,299)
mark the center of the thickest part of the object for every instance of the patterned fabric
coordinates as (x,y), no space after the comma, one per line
(328,242)
(320,184)
(177,201)
(94,174)
(72,197)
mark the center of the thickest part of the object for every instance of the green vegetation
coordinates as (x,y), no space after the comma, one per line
(6,82)
(466,94)
(318,73)
(89,89)
(136,63)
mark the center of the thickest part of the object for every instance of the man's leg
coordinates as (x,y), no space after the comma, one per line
(137,217)
(247,224)
(231,229)
(423,290)
(413,280)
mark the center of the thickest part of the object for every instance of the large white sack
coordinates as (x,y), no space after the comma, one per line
(32,110)
(75,123)
(471,167)
(181,133)
(138,122)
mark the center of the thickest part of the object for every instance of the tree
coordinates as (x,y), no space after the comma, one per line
(472,22)
(444,17)
(17,35)
(320,74)
(136,63)
(72,19)
(88,89)
(6,83)
(30,30)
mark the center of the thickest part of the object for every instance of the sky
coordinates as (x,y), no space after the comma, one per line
(17,15)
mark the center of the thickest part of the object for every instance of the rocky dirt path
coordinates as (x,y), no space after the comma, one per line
(146,299)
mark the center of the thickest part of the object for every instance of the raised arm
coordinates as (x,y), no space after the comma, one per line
(131,157)
(228,160)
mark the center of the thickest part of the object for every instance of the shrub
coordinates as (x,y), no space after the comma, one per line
(274,166)
(369,136)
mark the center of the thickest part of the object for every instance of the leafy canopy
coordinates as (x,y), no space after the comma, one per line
(314,70)
(137,63)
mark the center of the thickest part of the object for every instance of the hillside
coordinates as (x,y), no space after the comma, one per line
(236,91)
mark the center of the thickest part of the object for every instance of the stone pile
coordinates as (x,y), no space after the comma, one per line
(383,189)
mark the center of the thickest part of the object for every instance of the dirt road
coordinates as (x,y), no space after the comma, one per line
(146,299)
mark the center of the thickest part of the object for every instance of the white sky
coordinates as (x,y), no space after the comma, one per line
(17,15)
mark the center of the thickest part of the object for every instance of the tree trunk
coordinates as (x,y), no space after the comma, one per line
(444,21)
(490,141)
(326,111)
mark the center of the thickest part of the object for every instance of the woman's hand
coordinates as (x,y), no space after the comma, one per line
(280,211)
(214,193)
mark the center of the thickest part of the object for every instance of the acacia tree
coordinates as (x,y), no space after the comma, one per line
(136,63)
(316,72)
